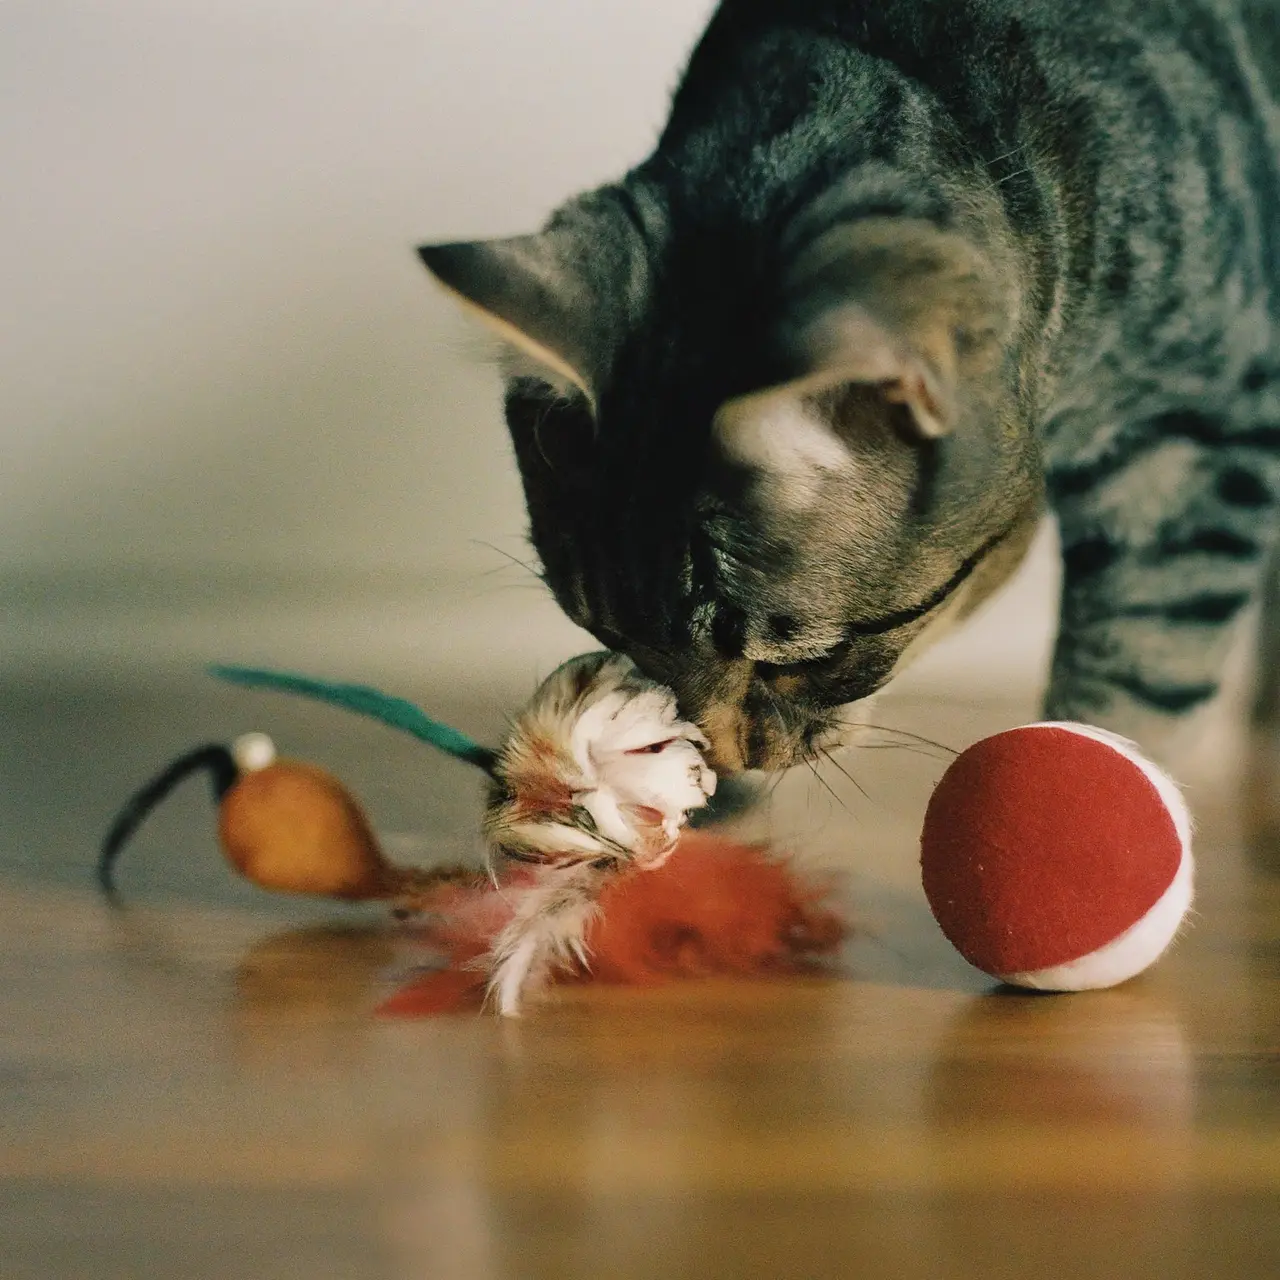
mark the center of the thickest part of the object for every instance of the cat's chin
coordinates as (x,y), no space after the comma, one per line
(742,743)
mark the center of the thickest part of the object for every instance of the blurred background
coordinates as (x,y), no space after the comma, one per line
(238,420)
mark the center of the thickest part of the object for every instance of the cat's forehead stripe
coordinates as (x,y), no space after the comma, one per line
(786,441)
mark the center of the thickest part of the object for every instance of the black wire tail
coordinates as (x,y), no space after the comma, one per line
(223,773)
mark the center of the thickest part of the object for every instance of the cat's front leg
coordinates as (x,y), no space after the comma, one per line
(1163,548)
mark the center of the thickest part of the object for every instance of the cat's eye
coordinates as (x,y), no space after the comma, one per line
(652,749)
(828,663)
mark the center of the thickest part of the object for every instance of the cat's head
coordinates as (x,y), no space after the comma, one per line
(768,462)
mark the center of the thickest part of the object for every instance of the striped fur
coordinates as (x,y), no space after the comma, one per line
(896,270)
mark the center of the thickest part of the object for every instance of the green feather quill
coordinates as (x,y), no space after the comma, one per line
(399,713)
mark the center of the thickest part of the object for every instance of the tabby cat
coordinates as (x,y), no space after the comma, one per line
(794,391)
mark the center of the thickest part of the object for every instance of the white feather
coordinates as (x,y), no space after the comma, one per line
(591,719)
(547,932)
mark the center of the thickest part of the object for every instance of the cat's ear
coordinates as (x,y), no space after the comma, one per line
(894,303)
(564,297)
(522,288)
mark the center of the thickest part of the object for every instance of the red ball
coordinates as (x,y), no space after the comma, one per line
(1055,856)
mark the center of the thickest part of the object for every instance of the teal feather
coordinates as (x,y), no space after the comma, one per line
(399,713)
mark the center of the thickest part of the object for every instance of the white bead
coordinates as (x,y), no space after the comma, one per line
(253,751)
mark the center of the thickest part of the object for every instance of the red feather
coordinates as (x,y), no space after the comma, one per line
(716,907)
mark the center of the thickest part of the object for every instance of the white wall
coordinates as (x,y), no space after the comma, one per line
(234,416)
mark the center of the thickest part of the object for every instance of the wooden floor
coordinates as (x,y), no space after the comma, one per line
(194,1086)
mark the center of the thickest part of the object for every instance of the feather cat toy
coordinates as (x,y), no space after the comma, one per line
(590,869)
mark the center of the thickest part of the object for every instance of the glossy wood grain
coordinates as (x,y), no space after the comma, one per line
(194,1084)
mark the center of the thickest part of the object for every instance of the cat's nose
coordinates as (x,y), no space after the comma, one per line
(767,727)
(728,731)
